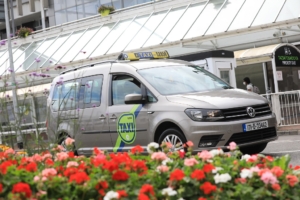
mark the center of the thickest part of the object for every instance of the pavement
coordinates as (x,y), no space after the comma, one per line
(286,144)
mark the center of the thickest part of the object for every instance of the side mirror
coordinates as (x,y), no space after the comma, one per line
(134,99)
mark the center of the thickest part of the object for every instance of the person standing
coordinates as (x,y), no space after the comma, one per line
(248,84)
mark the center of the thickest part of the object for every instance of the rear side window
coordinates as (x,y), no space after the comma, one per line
(66,95)
(90,91)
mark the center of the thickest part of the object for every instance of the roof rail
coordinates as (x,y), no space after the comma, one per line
(90,65)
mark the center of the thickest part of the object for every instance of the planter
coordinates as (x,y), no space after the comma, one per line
(105,13)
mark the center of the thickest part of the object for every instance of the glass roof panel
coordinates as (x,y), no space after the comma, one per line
(94,42)
(165,27)
(39,51)
(290,10)
(28,55)
(246,14)
(2,52)
(268,12)
(5,56)
(111,38)
(205,18)
(185,22)
(225,17)
(146,31)
(63,49)
(77,48)
(128,34)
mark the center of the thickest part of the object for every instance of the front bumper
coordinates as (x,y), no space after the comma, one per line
(224,132)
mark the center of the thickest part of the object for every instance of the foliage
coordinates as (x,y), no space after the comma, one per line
(160,175)
(23,32)
(103,8)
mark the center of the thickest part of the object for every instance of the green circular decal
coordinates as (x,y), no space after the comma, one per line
(126,128)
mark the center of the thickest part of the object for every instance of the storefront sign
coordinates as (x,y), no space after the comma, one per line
(287,56)
(279,76)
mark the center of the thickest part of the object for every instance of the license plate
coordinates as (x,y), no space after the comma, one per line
(255,126)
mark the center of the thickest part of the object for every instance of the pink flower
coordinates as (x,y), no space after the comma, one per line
(9,151)
(47,155)
(190,143)
(169,145)
(205,155)
(232,146)
(72,164)
(162,168)
(159,156)
(37,158)
(253,158)
(36,178)
(59,148)
(44,179)
(268,178)
(190,162)
(69,141)
(255,169)
(62,156)
(49,172)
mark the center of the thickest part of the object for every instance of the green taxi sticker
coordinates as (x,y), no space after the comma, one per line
(126,128)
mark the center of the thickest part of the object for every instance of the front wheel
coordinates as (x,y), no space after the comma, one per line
(173,136)
(62,142)
(253,149)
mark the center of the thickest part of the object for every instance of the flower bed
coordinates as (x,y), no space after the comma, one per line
(159,175)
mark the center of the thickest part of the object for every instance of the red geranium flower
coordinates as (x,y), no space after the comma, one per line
(1,188)
(71,154)
(22,188)
(49,162)
(140,166)
(292,180)
(142,196)
(276,186)
(240,180)
(198,174)
(110,166)
(101,187)
(277,171)
(137,149)
(297,167)
(202,198)
(69,171)
(181,153)
(207,187)
(79,177)
(120,176)
(208,168)
(4,166)
(31,167)
(122,193)
(147,189)
(177,175)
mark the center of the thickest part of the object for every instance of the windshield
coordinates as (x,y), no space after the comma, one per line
(182,79)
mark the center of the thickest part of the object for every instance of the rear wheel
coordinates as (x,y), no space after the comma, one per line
(173,136)
(253,149)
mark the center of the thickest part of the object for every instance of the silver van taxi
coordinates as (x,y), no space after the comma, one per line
(115,105)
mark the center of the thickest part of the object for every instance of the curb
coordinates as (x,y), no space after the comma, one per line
(282,133)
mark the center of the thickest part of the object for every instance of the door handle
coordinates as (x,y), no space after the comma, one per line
(102,117)
(113,117)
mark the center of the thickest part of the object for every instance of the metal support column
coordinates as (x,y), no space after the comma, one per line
(265,75)
(275,75)
(12,19)
(13,78)
(42,14)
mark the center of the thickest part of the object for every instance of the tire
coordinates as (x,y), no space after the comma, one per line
(174,136)
(253,149)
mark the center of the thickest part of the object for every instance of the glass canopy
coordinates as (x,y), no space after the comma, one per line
(173,24)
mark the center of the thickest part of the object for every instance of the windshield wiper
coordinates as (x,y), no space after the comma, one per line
(227,87)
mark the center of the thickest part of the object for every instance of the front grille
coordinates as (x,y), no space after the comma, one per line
(252,136)
(241,112)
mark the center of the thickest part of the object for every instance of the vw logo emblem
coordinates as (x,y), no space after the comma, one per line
(251,112)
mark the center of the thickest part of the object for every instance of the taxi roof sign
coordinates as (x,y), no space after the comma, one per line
(144,55)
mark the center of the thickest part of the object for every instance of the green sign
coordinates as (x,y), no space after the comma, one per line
(126,128)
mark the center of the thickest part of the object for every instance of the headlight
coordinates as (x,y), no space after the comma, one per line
(204,114)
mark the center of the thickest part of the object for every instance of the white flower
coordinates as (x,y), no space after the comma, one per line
(168,160)
(169,192)
(151,146)
(181,198)
(111,195)
(216,152)
(254,169)
(216,169)
(223,178)
(245,157)
(246,173)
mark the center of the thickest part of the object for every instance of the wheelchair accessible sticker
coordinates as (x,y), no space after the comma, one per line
(126,127)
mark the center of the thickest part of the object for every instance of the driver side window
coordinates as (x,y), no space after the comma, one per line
(123,85)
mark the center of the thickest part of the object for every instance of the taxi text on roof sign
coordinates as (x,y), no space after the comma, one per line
(144,55)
